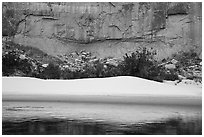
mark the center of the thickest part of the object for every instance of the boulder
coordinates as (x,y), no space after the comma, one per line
(22,57)
(173,61)
(45,65)
(170,66)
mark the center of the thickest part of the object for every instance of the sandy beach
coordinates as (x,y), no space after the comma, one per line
(107,90)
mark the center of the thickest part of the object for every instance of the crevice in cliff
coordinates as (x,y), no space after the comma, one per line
(114,26)
(111,3)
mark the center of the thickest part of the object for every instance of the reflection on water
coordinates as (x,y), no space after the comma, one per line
(75,127)
(91,119)
(53,126)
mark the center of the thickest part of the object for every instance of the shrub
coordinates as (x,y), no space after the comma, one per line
(168,75)
(51,72)
(11,62)
(112,71)
(94,70)
(187,58)
(97,69)
(141,64)
(68,74)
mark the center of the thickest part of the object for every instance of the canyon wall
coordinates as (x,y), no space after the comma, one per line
(109,29)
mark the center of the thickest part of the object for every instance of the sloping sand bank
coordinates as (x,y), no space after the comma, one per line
(123,89)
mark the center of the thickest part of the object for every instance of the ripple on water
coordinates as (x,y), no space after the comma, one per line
(68,118)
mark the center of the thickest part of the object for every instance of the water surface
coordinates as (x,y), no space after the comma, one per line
(31,117)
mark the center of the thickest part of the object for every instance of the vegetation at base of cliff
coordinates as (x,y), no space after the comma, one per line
(11,62)
(18,60)
(190,65)
(24,61)
(141,63)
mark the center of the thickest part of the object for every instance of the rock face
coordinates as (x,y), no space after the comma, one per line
(108,29)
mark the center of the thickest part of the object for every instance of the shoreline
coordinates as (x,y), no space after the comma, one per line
(104,99)
(124,89)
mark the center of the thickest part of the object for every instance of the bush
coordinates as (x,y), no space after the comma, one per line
(11,63)
(68,74)
(97,69)
(141,64)
(51,72)
(171,77)
(187,58)
(112,71)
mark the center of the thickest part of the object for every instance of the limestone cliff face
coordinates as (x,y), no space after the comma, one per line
(109,29)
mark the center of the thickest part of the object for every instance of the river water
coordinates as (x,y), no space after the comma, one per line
(47,117)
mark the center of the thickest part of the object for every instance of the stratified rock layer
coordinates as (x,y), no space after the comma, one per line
(109,29)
